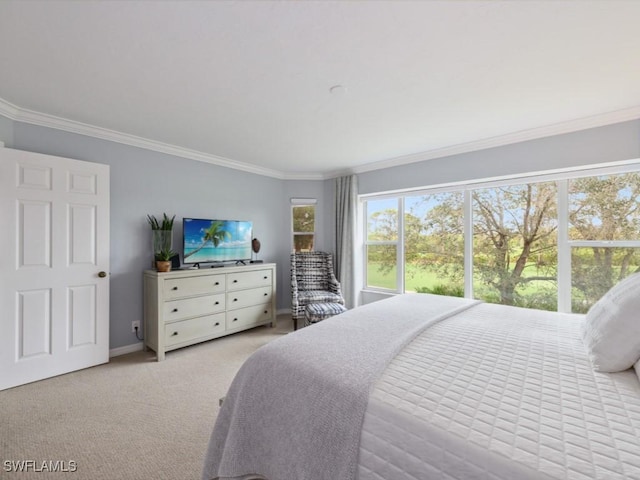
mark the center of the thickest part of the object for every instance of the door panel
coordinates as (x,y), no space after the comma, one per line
(82,234)
(34,322)
(34,240)
(82,315)
(54,308)
(34,176)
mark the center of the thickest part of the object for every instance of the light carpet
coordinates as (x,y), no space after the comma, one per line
(133,418)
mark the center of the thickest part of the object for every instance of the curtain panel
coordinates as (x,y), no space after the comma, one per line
(346,208)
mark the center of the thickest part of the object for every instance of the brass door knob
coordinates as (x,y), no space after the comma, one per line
(102,274)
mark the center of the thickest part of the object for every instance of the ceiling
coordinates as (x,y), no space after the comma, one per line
(250,84)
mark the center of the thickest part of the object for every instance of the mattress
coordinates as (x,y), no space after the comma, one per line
(499,392)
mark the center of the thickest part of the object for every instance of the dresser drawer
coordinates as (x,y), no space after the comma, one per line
(257,278)
(192,307)
(194,328)
(248,316)
(191,286)
(245,298)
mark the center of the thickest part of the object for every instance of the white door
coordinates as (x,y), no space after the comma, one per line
(54,264)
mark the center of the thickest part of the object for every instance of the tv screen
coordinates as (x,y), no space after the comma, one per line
(214,241)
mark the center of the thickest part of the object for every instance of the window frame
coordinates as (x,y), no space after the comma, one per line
(399,244)
(303,202)
(564,247)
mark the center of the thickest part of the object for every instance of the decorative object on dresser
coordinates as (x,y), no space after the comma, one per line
(162,240)
(163,260)
(191,306)
(255,246)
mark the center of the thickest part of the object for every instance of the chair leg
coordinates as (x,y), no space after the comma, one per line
(295,324)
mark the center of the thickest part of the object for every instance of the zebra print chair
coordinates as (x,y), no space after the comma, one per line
(312,281)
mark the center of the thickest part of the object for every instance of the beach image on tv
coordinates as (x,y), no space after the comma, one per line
(208,241)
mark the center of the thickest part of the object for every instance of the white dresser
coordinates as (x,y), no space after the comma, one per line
(184,307)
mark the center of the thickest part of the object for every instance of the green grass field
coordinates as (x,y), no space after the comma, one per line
(420,278)
(538,293)
(415,278)
(541,295)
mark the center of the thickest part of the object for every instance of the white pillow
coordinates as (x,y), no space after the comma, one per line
(611,331)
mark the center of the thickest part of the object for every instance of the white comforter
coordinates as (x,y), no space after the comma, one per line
(295,409)
(501,393)
(485,392)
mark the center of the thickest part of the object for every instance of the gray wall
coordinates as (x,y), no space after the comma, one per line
(6,131)
(145,182)
(597,145)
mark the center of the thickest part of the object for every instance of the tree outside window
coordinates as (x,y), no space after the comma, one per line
(515,245)
(434,244)
(382,243)
(416,243)
(304,225)
(604,216)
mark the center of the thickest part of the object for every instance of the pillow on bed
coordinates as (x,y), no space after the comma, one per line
(611,331)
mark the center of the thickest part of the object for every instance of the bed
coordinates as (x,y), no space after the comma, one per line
(422,386)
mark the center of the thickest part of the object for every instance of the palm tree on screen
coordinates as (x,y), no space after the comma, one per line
(214,234)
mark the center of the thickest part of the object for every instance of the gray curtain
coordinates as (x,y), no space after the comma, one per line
(346,208)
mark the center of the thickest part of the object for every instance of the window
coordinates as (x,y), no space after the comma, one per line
(515,245)
(434,243)
(382,243)
(550,243)
(303,221)
(603,234)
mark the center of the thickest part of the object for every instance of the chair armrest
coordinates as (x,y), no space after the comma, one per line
(294,291)
(334,285)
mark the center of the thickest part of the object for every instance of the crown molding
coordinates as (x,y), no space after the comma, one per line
(304,176)
(51,121)
(8,110)
(571,126)
(18,114)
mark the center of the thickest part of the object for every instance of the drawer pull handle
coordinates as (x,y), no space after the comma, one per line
(174,288)
(217,303)
(235,299)
(266,294)
(217,323)
(235,319)
(174,334)
(266,311)
(174,310)
(265,277)
(217,283)
(235,281)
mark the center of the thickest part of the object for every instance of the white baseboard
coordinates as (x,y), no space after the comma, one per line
(134,347)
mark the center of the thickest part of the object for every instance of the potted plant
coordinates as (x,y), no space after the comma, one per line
(163,260)
(162,233)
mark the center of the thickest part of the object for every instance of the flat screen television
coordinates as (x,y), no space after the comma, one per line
(215,241)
